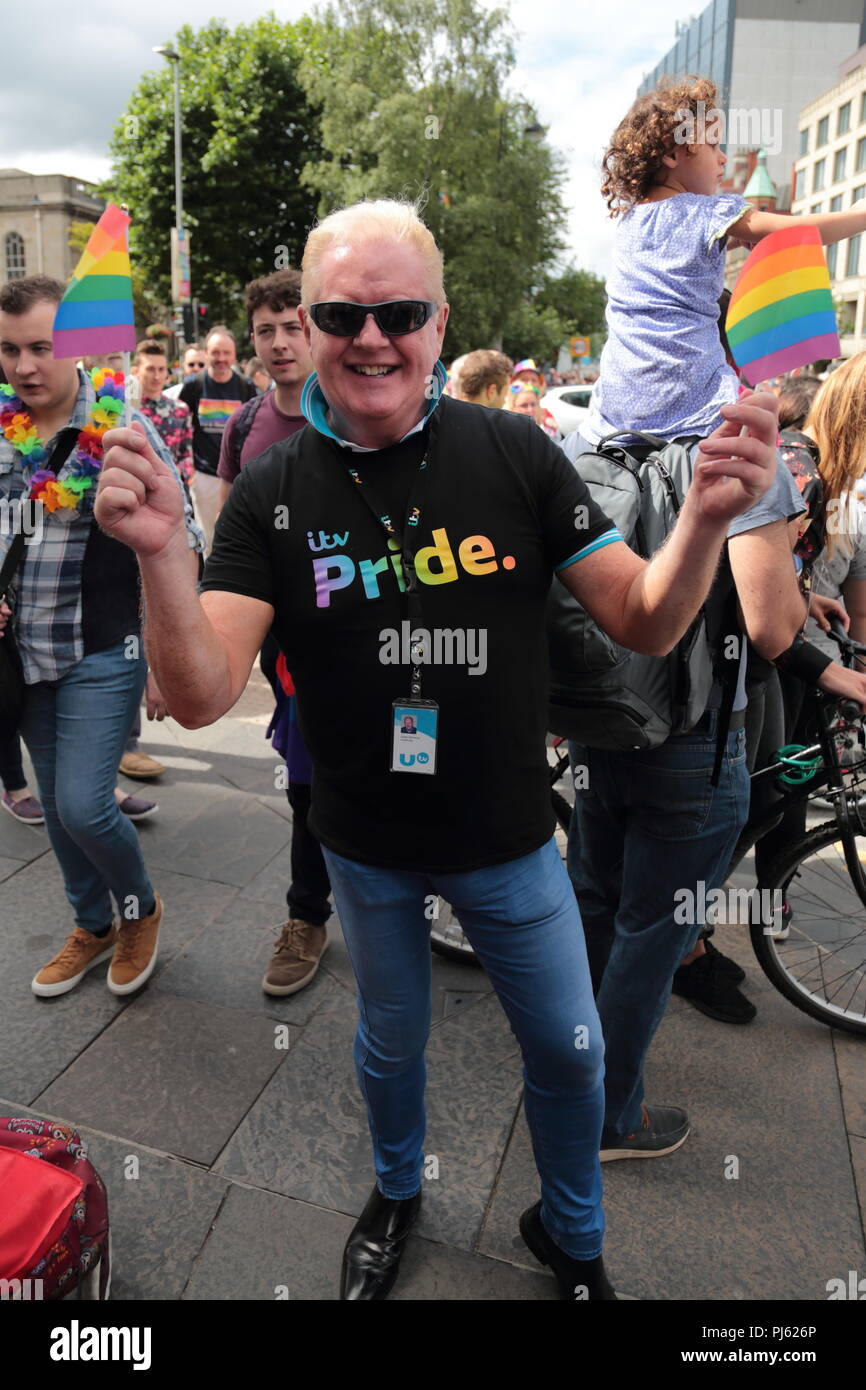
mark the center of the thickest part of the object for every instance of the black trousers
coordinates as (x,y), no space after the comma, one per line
(11,764)
(310,887)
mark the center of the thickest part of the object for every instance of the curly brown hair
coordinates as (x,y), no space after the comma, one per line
(646,134)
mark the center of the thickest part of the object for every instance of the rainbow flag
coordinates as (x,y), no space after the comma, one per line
(781,312)
(95,315)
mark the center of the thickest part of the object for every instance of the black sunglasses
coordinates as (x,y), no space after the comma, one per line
(345,318)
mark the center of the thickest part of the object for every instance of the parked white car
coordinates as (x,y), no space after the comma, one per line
(568,405)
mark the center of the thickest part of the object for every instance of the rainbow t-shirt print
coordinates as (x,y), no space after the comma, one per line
(214,415)
(434,564)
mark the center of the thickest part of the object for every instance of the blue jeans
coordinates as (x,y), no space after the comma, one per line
(75,729)
(524,926)
(647,825)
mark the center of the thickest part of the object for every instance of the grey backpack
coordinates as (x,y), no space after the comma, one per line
(601,694)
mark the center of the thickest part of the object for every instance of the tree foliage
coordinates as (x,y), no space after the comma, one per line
(248,130)
(368,98)
(413,105)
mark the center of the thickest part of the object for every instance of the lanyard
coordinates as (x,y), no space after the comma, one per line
(408,583)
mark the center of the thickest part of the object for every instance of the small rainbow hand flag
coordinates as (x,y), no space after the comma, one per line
(95,315)
(781,312)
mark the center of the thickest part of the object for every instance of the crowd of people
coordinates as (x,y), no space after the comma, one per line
(344,487)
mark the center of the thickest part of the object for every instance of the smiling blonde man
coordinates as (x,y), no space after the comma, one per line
(399,509)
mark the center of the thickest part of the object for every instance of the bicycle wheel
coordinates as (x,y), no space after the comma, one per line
(820,964)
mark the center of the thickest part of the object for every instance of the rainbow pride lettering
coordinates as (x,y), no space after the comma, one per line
(434,564)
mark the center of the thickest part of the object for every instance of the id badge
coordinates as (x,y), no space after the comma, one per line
(414,731)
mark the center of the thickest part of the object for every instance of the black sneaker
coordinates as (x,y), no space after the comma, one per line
(725,965)
(664,1129)
(713,992)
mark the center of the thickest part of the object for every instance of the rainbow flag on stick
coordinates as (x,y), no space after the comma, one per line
(95,315)
(781,312)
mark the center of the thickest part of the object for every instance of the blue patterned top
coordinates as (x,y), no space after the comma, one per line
(663,368)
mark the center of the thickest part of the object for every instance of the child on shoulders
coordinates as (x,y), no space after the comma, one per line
(663,368)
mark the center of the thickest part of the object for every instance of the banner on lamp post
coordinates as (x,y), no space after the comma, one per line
(180,269)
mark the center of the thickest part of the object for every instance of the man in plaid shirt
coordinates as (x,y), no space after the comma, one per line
(75,611)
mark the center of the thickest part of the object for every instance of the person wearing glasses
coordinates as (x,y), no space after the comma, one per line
(395,503)
(193,363)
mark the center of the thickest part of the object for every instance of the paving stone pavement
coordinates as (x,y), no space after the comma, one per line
(232,1139)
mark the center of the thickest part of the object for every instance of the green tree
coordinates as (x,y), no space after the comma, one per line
(579,299)
(413,106)
(248,130)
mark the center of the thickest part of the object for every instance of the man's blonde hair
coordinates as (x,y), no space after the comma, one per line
(382,219)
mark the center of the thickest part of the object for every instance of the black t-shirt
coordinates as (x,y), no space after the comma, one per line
(212,404)
(503,506)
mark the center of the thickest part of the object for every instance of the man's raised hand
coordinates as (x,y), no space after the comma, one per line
(734,470)
(138,500)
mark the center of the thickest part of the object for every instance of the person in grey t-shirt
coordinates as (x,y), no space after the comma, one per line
(650,833)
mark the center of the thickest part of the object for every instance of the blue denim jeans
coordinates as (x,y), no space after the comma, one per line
(524,926)
(647,825)
(75,729)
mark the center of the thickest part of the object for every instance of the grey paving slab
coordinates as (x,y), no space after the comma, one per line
(272,1248)
(8,867)
(40,1037)
(272,881)
(851,1064)
(765,1095)
(268,1247)
(227,960)
(446,975)
(455,999)
(172,1073)
(433,1273)
(218,834)
(160,1211)
(858,1160)
(26,842)
(306,1136)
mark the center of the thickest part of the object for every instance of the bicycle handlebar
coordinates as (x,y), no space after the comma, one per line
(847,644)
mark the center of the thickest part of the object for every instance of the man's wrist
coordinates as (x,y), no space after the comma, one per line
(174,552)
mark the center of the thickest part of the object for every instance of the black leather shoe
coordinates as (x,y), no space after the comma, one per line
(578,1280)
(371,1259)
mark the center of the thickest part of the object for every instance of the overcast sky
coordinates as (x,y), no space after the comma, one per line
(67,77)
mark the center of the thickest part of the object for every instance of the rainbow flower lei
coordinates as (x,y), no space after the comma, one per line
(86,460)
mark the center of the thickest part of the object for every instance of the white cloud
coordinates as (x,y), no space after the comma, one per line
(579,66)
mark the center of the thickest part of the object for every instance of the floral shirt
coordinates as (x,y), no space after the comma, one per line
(173,421)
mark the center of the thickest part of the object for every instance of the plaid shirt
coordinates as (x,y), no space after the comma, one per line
(45,595)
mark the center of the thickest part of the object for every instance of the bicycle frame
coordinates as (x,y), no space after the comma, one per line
(829,775)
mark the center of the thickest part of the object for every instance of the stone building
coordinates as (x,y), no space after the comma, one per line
(35,215)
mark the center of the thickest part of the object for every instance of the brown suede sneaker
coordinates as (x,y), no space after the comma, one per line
(81,952)
(135,954)
(296,957)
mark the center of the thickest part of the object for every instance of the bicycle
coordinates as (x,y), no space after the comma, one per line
(816,956)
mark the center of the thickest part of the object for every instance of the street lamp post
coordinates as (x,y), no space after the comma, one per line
(166,51)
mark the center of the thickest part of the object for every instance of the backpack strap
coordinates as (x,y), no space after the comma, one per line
(246,416)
